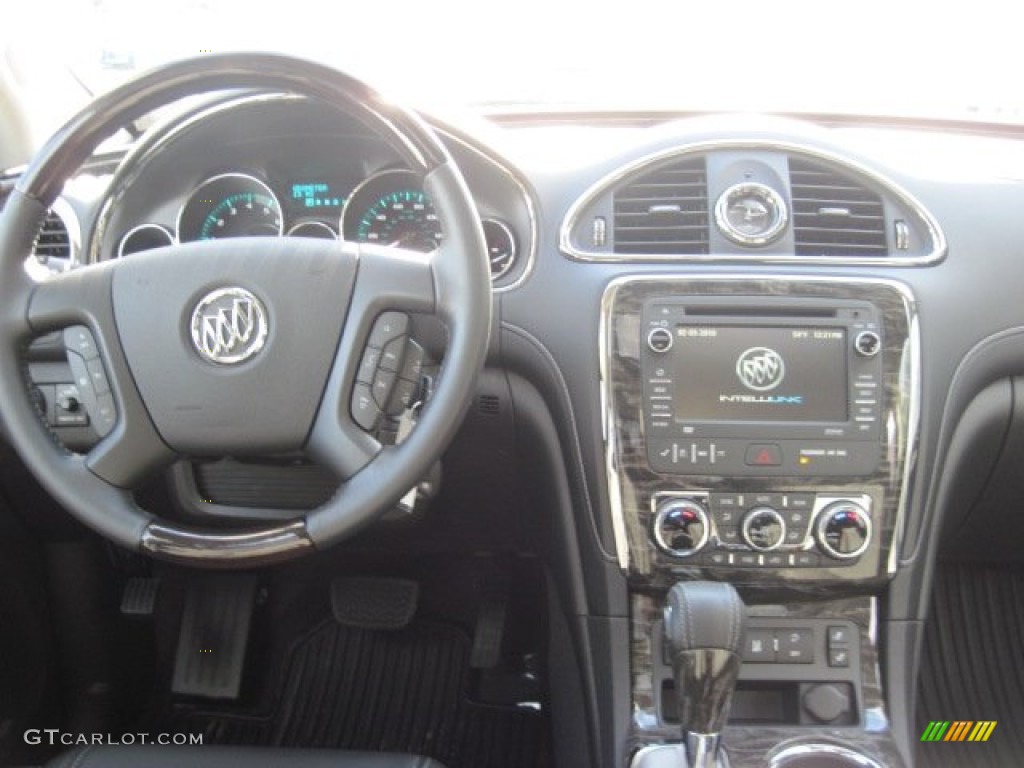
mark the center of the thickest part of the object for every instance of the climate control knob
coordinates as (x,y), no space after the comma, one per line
(843,530)
(681,527)
(763,529)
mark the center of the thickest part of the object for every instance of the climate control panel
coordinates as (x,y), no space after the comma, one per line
(769,530)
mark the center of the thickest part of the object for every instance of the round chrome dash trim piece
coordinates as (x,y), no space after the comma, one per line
(603,185)
(257,547)
(857,759)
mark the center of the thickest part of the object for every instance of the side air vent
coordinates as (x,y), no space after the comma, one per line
(53,240)
(834,214)
(664,211)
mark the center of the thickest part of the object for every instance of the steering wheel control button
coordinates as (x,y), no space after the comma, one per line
(229,326)
(867,344)
(412,367)
(844,530)
(391,355)
(389,326)
(660,340)
(402,398)
(383,383)
(79,339)
(681,527)
(104,417)
(97,376)
(368,365)
(364,408)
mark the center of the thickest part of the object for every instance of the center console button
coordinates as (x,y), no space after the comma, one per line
(660,340)
(764,529)
(796,646)
(763,455)
(844,530)
(681,527)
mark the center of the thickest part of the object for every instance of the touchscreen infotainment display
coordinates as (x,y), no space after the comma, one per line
(760,373)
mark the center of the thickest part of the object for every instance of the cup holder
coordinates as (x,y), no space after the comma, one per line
(821,756)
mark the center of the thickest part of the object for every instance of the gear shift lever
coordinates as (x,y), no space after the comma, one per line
(704,623)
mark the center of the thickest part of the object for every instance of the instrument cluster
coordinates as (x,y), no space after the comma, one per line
(389,207)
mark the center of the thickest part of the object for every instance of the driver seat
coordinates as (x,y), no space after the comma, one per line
(232,757)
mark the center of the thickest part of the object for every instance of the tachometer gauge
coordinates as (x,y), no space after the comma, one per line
(230,205)
(391,208)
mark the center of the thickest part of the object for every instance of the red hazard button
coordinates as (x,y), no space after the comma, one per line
(763,455)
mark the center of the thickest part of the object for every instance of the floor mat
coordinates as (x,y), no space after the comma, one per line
(401,691)
(973,666)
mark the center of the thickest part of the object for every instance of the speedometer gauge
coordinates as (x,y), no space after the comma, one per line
(230,205)
(391,208)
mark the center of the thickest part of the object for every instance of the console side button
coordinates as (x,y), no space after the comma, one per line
(390,325)
(365,412)
(806,560)
(759,646)
(838,635)
(839,657)
(763,455)
(796,646)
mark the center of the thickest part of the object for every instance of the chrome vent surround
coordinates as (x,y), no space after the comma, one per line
(53,240)
(663,210)
(834,213)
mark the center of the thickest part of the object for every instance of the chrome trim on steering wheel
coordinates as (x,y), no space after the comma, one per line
(261,547)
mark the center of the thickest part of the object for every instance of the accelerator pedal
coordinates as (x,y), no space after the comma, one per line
(214,636)
(374,603)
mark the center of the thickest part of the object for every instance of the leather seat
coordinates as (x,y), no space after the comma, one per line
(232,757)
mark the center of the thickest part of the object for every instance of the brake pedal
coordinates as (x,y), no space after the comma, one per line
(214,636)
(374,603)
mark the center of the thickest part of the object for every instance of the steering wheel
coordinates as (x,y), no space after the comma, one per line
(245,345)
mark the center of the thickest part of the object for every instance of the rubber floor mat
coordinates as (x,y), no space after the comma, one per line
(400,691)
(973,666)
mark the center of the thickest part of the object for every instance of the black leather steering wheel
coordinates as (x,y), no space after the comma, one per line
(313,304)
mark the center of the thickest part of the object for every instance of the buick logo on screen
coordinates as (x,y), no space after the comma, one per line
(761,369)
(229,326)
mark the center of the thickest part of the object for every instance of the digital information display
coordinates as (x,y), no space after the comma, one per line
(746,373)
(316,195)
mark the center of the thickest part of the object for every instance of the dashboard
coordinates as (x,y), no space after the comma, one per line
(756,338)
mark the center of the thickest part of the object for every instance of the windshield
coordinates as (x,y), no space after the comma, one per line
(879,58)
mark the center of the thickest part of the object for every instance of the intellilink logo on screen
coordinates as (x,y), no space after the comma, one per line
(761,369)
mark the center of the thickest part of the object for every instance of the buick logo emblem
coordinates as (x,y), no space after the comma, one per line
(229,326)
(760,369)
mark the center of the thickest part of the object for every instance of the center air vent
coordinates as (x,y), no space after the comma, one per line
(834,214)
(664,211)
